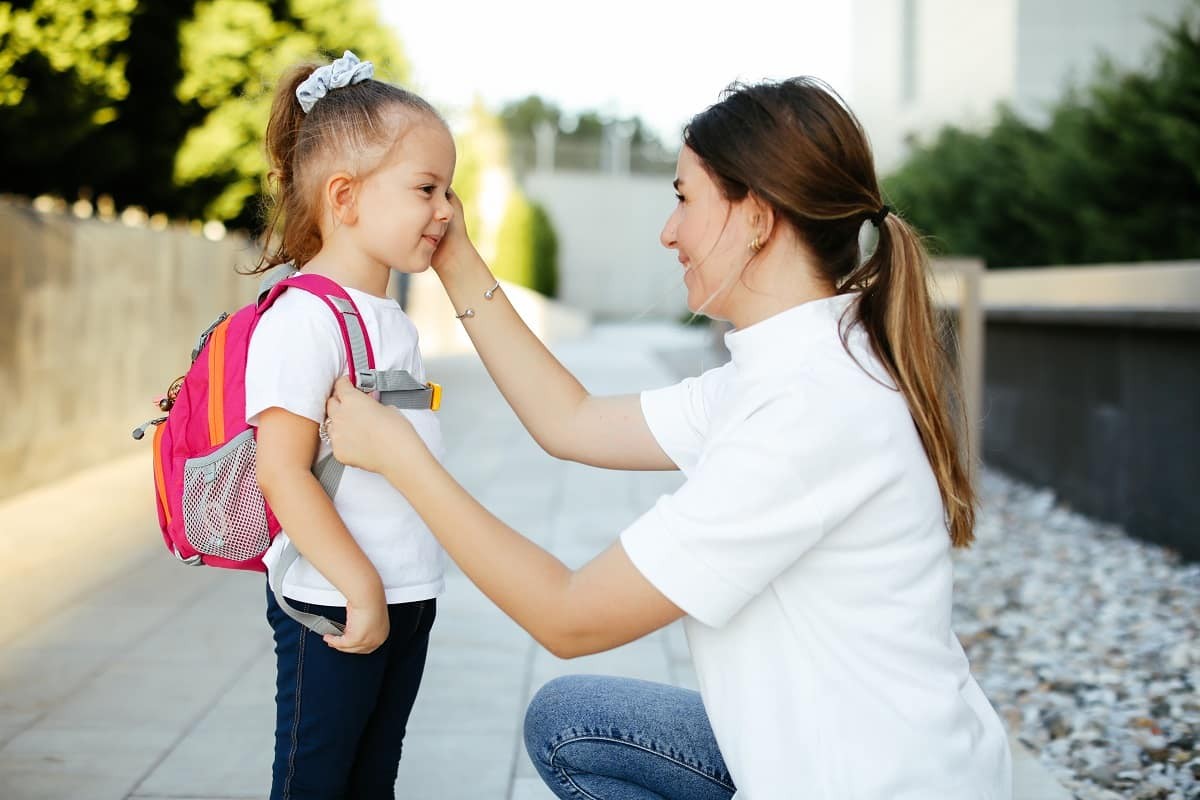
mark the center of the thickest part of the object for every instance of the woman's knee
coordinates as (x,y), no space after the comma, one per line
(549,713)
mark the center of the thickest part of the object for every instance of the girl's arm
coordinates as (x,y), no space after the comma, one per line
(560,414)
(287,445)
(606,603)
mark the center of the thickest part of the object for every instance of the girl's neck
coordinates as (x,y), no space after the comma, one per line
(350,269)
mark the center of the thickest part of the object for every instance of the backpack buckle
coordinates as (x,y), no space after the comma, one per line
(366,381)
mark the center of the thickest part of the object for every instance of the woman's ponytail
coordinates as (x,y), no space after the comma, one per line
(896,311)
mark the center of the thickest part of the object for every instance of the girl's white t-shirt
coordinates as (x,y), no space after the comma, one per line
(809,549)
(296,354)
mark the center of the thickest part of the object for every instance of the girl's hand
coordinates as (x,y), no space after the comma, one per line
(368,435)
(455,246)
(367,627)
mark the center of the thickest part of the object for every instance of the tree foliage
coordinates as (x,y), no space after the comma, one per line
(162,104)
(527,247)
(1113,177)
(521,117)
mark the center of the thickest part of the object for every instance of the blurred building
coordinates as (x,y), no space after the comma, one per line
(922,64)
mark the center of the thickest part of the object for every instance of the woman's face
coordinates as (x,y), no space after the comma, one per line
(710,237)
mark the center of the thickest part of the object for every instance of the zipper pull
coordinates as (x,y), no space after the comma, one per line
(140,431)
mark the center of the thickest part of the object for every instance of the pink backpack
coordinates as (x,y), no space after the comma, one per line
(210,507)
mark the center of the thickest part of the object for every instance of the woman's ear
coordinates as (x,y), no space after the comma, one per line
(761,217)
(341,193)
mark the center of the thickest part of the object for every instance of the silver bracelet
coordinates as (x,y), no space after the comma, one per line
(488,295)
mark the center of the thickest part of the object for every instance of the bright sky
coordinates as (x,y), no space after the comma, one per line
(663,60)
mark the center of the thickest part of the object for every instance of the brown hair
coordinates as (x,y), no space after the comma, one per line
(798,147)
(352,127)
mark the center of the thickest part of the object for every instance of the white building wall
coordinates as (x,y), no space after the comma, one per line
(1061,43)
(964,58)
(609,256)
(959,62)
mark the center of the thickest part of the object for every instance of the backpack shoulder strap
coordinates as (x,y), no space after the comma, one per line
(274,276)
(360,357)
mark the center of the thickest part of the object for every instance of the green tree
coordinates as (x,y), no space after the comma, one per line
(62,80)
(162,104)
(1113,177)
(232,51)
(526,247)
(520,119)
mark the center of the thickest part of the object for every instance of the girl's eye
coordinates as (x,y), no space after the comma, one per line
(428,189)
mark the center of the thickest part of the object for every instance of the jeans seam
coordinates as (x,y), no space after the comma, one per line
(287,784)
(596,737)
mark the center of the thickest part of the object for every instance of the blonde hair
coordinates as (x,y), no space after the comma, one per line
(355,125)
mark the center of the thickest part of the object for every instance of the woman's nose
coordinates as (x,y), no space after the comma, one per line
(667,236)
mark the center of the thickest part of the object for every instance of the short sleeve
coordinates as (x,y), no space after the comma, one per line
(296,354)
(748,512)
(678,416)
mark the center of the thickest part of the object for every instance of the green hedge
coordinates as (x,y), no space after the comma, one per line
(1113,177)
(526,247)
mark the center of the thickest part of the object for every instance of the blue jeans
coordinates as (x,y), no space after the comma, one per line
(339,717)
(601,738)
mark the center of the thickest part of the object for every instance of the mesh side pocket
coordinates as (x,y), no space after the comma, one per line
(224,513)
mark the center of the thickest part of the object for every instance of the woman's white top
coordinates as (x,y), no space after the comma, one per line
(296,354)
(809,549)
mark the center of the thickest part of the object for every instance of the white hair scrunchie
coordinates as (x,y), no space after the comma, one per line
(344,71)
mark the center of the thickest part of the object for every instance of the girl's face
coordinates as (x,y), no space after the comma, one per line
(403,207)
(709,235)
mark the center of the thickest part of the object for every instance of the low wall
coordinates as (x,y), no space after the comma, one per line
(1106,411)
(1091,386)
(97,318)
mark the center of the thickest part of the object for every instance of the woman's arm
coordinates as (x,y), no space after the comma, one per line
(560,414)
(287,445)
(606,603)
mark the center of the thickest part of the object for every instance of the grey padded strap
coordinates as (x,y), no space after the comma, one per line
(329,470)
(314,622)
(273,277)
(397,388)
(329,473)
(354,328)
(415,399)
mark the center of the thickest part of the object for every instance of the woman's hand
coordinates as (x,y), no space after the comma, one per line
(367,627)
(368,435)
(455,246)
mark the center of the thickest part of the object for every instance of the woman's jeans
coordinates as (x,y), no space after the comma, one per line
(602,738)
(340,717)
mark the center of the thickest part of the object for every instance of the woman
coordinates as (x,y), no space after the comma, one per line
(809,549)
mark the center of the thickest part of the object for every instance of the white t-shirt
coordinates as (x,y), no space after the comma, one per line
(296,354)
(809,550)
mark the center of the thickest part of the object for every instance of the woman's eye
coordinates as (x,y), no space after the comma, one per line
(678,197)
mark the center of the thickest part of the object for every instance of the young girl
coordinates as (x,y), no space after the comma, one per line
(362,172)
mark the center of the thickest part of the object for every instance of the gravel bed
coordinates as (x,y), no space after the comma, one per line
(1087,642)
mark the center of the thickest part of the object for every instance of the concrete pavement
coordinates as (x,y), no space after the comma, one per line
(126,675)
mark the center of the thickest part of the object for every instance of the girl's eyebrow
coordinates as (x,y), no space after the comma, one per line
(434,175)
